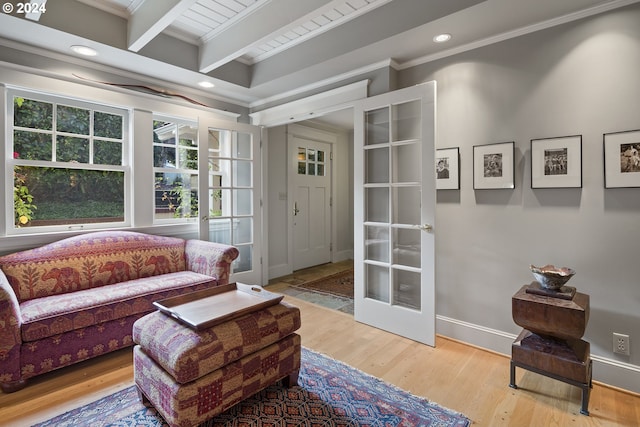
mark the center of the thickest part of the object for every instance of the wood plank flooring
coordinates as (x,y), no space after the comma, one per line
(455,375)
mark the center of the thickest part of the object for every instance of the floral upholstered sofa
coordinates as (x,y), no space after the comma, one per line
(78,298)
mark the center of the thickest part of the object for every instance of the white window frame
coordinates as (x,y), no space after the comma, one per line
(10,162)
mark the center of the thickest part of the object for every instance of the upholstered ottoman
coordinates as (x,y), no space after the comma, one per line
(190,376)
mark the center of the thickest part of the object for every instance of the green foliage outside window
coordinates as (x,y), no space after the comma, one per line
(48,132)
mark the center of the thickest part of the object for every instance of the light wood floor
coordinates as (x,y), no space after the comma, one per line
(454,375)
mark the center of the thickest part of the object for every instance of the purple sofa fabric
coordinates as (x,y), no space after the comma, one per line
(78,298)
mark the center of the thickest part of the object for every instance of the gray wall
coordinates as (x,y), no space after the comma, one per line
(578,78)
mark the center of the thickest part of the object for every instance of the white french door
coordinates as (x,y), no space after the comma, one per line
(394,212)
(231,212)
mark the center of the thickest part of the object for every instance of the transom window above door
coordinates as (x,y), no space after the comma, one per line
(311,161)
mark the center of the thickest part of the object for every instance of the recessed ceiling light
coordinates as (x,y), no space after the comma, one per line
(84,50)
(206,84)
(441,38)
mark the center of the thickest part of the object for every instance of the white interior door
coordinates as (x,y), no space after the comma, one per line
(311,166)
(394,211)
(231,212)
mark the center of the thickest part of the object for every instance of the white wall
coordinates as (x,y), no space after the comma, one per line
(579,78)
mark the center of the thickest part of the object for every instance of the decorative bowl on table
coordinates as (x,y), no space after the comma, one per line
(552,277)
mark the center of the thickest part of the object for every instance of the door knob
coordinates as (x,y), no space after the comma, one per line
(295,209)
(426,227)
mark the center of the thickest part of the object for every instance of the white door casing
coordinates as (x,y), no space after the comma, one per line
(394,212)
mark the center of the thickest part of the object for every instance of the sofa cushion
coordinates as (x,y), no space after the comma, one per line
(89,261)
(188,354)
(56,314)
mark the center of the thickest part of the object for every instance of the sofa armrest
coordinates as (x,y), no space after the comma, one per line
(212,259)
(10,338)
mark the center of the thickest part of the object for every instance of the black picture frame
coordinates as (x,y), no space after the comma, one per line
(448,168)
(556,162)
(622,159)
(494,166)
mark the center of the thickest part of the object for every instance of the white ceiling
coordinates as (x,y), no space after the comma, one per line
(262,51)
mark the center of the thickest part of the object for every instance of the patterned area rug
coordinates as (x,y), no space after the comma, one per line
(340,284)
(330,393)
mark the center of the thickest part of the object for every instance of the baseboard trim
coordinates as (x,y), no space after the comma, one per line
(624,376)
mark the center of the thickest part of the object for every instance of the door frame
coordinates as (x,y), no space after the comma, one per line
(295,130)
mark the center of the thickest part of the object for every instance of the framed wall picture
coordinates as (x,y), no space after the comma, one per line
(622,159)
(493,166)
(448,169)
(556,162)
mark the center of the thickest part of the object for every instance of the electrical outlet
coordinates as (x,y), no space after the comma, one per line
(621,344)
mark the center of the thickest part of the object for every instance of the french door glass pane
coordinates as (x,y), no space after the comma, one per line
(406,121)
(377,126)
(406,247)
(242,146)
(406,205)
(377,243)
(377,204)
(406,163)
(242,202)
(406,289)
(376,164)
(244,260)
(242,173)
(377,282)
(220,231)
(243,231)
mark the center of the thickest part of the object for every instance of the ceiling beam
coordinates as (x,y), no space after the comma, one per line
(257,28)
(151,18)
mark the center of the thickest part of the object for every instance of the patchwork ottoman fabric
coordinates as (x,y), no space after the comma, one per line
(187,354)
(199,400)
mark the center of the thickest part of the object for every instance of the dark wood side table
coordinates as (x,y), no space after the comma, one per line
(550,343)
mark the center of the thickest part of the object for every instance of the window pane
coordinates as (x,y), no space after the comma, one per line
(71,149)
(164,132)
(188,159)
(214,140)
(71,196)
(72,120)
(32,145)
(176,195)
(320,170)
(302,168)
(32,114)
(107,125)
(164,157)
(65,130)
(107,152)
